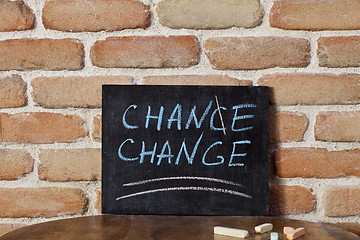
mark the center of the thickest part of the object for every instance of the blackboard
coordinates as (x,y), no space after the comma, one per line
(185,150)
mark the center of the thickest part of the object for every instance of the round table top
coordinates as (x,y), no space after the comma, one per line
(140,227)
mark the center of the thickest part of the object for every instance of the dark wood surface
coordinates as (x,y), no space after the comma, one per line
(167,228)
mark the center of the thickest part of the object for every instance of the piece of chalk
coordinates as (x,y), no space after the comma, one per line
(231,232)
(296,233)
(274,236)
(266,227)
(288,230)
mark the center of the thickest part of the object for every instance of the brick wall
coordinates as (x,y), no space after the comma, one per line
(54,56)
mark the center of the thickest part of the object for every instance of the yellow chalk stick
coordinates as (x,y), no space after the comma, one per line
(288,230)
(296,233)
(232,232)
(266,227)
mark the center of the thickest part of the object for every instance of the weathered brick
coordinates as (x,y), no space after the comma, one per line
(12,92)
(338,126)
(337,52)
(290,200)
(251,53)
(98,200)
(212,80)
(15,16)
(14,164)
(348,226)
(72,91)
(44,54)
(209,14)
(95,15)
(315,15)
(97,128)
(70,164)
(287,126)
(36,202)
(312,89)
(40,127)
(341,201)
(8,227)
(316,163)
(146,52)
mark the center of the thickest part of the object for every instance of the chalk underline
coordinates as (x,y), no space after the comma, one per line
(182,178)
(220,190)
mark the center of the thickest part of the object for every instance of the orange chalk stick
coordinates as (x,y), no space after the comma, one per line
(288,230)
(296,233)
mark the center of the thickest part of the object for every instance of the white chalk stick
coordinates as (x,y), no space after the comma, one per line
(296,233)
(266,227)
(231,232)
(274,236)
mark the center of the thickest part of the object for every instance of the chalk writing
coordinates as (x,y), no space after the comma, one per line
(176,116)
(126,125)
(166,152)
(177,112)
(182,178)
(159,117)
(241,117)
(227,191)
(193,116)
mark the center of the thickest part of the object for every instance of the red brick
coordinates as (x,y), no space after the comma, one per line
(14,164)
(212,80)
(39,127)
(316,163)
(72,91)
(15,16)
(12,92)
(339,51)
(315,15)
(41,202)
(290,200)
(9,227)
(287,127)
(146,52)
(97,128)
(95,15)
(59,164)
(338,126)
(252,53)
(210,14)
(312,89)
(341,201)
(44,54)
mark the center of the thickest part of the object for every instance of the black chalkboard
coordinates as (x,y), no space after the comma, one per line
(185,150)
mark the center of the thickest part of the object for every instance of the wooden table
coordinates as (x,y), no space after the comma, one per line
(166,228)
